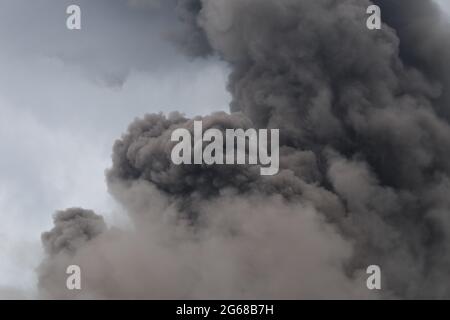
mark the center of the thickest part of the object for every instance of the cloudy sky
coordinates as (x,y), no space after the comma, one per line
(56,86)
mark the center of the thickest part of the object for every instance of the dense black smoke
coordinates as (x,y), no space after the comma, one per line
(364,162)
(424,44)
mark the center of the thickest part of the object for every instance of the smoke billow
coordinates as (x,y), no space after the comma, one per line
(364,166)
(73,228)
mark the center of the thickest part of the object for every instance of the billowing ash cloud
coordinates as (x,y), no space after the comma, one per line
(424,42)
(364,165)
(73,228)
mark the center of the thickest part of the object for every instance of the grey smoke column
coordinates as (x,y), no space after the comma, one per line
(365,152)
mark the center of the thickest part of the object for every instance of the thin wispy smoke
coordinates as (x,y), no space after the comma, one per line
(364,166)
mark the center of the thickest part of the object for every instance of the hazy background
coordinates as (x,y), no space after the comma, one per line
(55,87)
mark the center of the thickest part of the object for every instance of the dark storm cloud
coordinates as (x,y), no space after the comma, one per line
(364,161)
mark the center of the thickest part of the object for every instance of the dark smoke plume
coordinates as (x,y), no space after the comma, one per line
(74,228)
(364,164)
